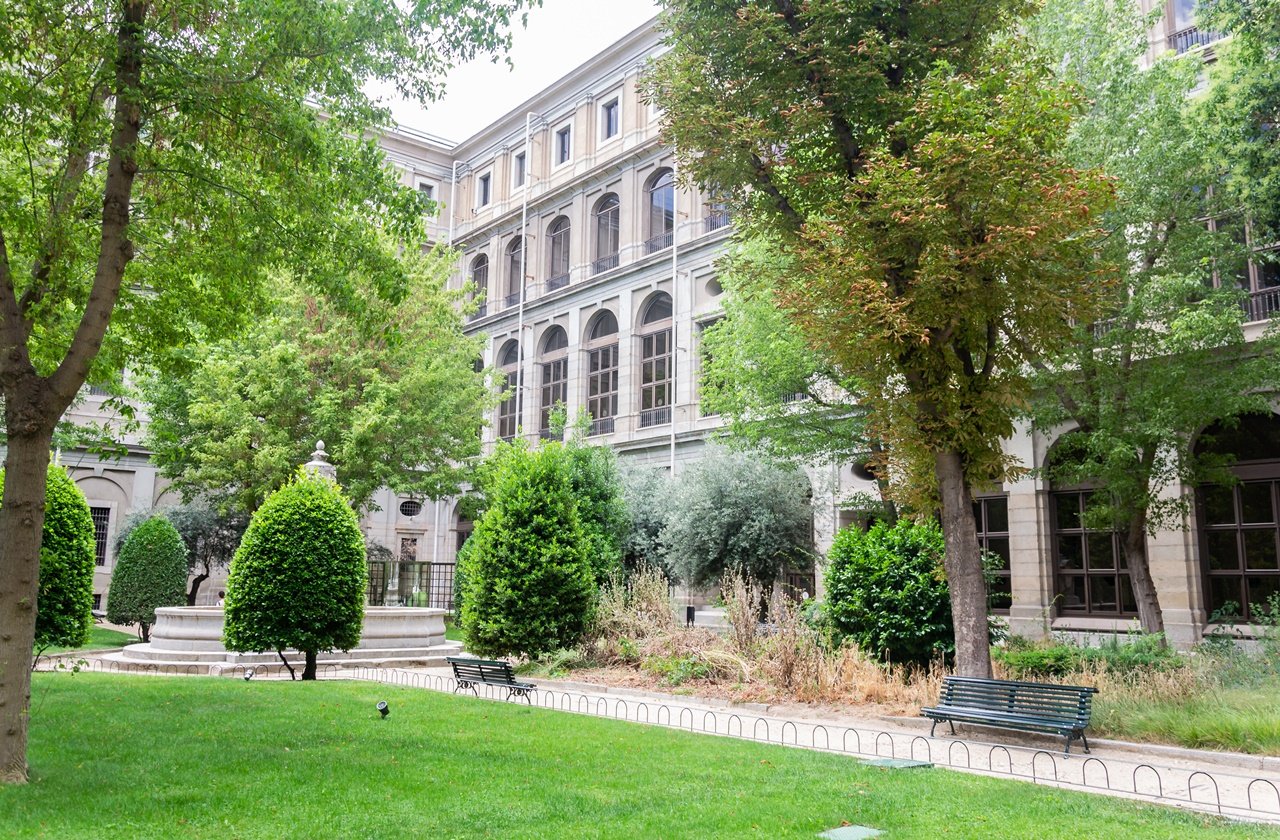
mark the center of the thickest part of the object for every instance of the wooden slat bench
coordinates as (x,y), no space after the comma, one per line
(1010,704)
(472,672)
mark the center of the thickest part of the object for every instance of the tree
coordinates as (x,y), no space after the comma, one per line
(908,166)
(158,161)
(398,406)
(645,491)
(602,511)
(151,572)
(65,602)
(298,580)
(211,538)
(1170,357)
(735,511)
(527,585)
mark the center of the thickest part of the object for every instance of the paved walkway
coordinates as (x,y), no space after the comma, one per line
(1238,786)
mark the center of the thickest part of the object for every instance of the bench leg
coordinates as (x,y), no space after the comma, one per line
(1066,753)
(932,728)
(1085,741)
(952,724)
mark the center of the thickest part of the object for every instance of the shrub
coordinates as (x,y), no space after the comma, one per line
(886,591)
(298,580)
(63,606)
(527,585)
(211,538)
(1122,656)
(602,512)
(151,572)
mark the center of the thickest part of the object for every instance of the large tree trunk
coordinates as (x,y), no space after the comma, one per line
(195,588)
(21,522)
(963,563)
(1144,586)
(309,669)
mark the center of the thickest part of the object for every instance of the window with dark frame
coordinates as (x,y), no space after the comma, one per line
(101,517)
(555,377)
(606,244)
(1091,575)
(486,189)
(991,515)
(558,254)
(509,408)
(602,373)
(564,144)
(655,363)
(662,212)
(609,122)
(1239,539)
(97,601)
(518,164)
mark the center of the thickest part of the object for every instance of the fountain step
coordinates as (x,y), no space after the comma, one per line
(433,656)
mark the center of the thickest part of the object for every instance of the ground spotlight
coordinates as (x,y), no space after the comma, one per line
(382,709)
(248,674)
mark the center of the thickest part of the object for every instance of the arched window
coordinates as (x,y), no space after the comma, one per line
(655,362)
(662,211)
(515,271)
(602,372)
(554,361)
(558,254)
(1239,526)
(606,244)
(480,285)
(509,408)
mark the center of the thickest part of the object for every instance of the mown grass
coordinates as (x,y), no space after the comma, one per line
(152,757)
(453,632)
(99,638)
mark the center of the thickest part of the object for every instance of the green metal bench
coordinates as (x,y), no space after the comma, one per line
(1010,704)
(473,672)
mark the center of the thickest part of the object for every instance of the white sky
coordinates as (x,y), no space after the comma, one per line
(561,35)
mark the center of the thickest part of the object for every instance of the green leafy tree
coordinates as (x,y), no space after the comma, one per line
(150,572)
(211,538)
(1170,356)
(391,390)
(527,584)
(298,580)
(158,161)
(906,167)
(887,592)
(63,607)
(646,492)
(734,511)
(602,510)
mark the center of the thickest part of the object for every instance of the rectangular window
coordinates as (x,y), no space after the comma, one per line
(97,601)
(655,379)
(1092,577)
(486,191)
(101,521)
(428,190)
(602,388)
(609,119)
(564,144)
(517,170)
(555,382)
(991,515)
(1240,547)
(509,408)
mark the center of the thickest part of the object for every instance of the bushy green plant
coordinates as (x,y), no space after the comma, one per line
(527,584)
(211,537)
(151,572)
(1123,656)
(676,670)
(602,512)
(298,580)
(63,606)
(886,592)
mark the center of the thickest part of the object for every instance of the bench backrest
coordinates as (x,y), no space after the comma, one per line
(1044,700)
(482,670)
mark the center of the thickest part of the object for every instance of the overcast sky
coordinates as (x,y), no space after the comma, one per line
(561,35)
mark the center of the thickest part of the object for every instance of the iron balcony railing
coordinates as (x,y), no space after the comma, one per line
(557,282)
(550,434)
(1262,305)
(715,221)
(1190,38)
(481,311)
(603,426)
(658,243)
(655,416)
(511,300)
(604,264)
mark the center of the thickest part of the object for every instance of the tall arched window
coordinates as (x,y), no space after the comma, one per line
(558,254)
(606,244)
(662,211)
(1239,526)
(655,362)
(515,271)
(602,372)
(509,408)
(554,362)
(480,285)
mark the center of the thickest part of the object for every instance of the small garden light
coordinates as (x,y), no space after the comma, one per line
(248,674)
(382,709)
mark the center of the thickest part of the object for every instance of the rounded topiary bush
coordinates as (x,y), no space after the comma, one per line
(63,607)
(298,579)
(527,585)
(151,572)
(886,591)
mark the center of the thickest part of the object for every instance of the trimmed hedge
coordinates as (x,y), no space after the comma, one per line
(526,578)
(151,572)
(887,592)
(299,577)
(63,607)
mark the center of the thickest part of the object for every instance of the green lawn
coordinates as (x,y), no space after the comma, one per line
(99,638)
(453,632)
(1236,719)
(153,757)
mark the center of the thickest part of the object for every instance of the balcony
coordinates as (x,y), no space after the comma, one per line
(481,311)
(550,434)
(1190,38)
(511,300)
(1262,305)
(557,282)
(658,243)
(604,264)
(798,396)
(660,416)
(715,221)
(603,426)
